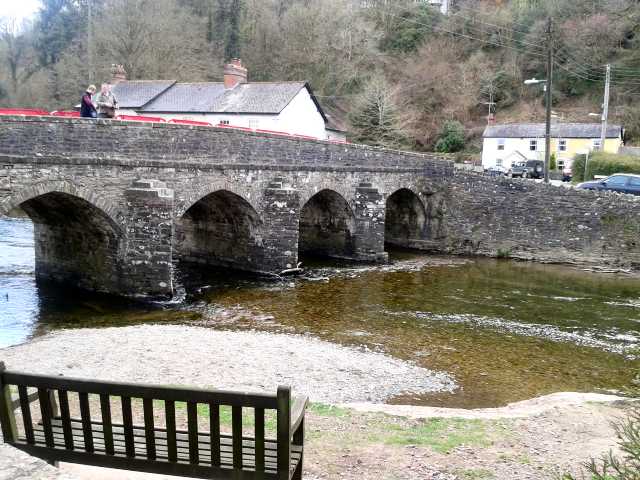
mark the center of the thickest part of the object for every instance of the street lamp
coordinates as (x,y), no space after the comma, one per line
(547,150)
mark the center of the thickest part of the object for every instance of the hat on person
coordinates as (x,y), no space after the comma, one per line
(91,88)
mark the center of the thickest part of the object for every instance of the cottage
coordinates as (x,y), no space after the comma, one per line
(289,107)
(504,145)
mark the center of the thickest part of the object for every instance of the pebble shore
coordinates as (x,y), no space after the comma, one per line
(206,358)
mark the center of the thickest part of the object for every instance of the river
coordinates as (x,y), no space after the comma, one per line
(505,330)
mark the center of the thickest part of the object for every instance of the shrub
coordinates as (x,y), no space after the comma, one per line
(606,164)
(451,138)
(623,467)
(553,164)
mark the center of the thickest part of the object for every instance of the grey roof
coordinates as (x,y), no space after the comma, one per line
(187,97)
(137,93)
(558,130)
(210,97)
(258,97)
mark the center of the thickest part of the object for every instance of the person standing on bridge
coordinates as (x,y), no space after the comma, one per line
(87,108)
(106,102)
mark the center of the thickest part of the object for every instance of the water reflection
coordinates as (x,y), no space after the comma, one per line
(507,331)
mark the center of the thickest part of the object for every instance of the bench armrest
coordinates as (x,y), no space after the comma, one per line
(297,412)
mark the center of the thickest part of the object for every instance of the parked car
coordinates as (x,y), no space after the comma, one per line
(620,182)
(567,174)
(496,171)
(528,169)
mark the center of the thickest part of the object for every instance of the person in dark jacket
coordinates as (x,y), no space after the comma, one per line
(87,108)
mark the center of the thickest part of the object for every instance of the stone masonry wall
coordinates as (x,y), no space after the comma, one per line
(524,219)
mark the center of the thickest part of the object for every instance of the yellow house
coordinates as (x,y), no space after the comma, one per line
(507,143)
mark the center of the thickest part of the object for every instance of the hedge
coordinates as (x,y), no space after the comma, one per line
(606,164)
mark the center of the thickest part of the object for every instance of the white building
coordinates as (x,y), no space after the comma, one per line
(288,107)
(504,145)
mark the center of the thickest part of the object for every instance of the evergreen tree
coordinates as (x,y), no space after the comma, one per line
(375,118)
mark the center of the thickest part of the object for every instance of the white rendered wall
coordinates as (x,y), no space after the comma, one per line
(300,117)
(490,152)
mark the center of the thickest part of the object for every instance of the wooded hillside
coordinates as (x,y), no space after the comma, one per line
(398,71)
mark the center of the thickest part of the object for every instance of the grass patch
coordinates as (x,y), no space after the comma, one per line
(325,410)
(475,474)
(440,434)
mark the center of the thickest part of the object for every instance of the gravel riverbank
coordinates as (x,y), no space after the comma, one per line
(248,361)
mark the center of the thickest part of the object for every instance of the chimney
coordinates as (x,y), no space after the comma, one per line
(118,74)
(234,73)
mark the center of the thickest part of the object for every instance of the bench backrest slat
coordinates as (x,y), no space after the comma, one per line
(127,421)
(47,414)
(177,394)
(170,419)
(26,414)
(149,431)
(214,433)
(236,429)
(259,436)
(192,428)
(85,415)
(107,423)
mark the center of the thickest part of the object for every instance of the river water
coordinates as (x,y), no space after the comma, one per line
(505,330)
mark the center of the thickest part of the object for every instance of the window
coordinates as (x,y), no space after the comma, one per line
(616,181)
(254,124)
(560,163)
(596,144)
(533,145)
(634,181)
(498,162)
(562,145)
(501,144)
(224,122)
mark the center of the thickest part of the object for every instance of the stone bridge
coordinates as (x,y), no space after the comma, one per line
(114,204)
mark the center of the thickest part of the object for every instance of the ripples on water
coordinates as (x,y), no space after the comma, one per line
(505,330)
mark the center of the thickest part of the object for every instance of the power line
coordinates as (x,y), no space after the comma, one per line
(470,37)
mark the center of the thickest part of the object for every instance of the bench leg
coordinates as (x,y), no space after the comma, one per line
(298,439)
(54,463)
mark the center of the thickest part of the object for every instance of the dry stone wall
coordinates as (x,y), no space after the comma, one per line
(524,219)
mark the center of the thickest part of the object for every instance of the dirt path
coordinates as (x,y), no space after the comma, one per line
(343,443)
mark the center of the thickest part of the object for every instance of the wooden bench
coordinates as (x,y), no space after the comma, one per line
(53,431)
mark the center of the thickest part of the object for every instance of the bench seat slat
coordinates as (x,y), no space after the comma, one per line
(143,465)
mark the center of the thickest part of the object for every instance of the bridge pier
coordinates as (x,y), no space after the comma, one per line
(281,208)
(369,232)
(147,269)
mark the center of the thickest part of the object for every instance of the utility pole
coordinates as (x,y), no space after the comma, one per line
(549,89)
(90,38)
(490,105)
(605,109)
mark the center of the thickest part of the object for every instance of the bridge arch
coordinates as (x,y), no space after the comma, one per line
(78,239)
(89,195)
(406,219)
(221,228)
(327,226)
